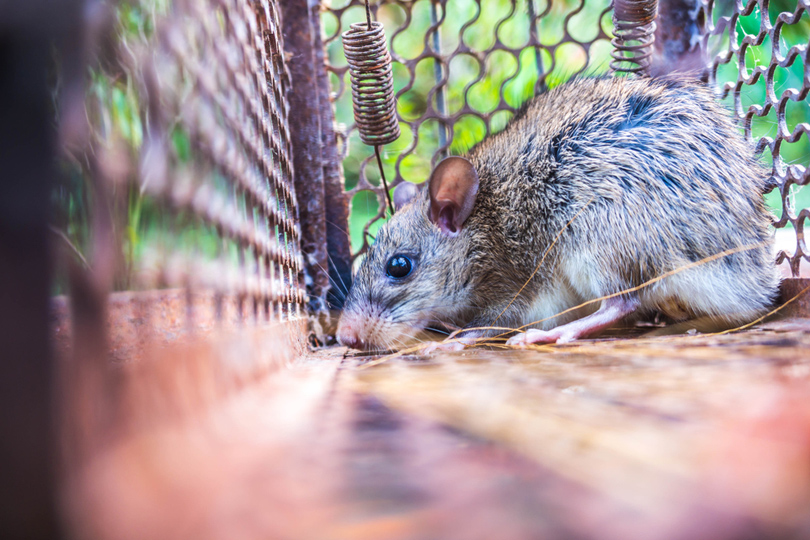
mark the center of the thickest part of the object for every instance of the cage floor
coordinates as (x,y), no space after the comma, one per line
(671,437)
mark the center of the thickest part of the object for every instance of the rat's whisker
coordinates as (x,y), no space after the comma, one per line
(430,309)
(344,288)
(446,333)
(336,285)
(338,227)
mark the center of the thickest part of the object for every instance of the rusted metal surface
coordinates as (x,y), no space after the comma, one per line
(797,292)
(375,109)
(337,203)
(677,36)
(726,47)
(307,139)
(685,437)
(634,25)
(431,119)
(135,320)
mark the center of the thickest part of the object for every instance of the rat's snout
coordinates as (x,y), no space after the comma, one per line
(348,337)
(348,333)
(372,333)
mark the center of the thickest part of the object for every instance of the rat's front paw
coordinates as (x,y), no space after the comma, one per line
(532,336)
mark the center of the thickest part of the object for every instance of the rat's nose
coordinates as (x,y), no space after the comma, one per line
(349,338)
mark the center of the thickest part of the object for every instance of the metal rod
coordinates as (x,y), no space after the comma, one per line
(538,59)
(441,99)
(305,127)
(382,176)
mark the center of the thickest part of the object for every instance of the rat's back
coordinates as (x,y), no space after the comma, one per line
(661,182)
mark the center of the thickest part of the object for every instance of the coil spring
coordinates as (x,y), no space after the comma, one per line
(372,83)
(634,28)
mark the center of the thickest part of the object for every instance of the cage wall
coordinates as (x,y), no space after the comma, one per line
(189,160)
(179,222)
(757,56)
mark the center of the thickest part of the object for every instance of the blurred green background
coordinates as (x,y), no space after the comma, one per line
(116,112)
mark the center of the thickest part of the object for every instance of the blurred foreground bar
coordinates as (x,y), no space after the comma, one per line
(28,31)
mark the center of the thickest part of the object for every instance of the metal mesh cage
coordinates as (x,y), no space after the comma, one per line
(759,58)
(192,281)
(222,83)
(199,170)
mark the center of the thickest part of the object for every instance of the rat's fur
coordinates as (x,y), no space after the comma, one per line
(664,177)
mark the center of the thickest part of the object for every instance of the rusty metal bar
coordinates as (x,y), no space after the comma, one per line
(337,202)
(794,290)
(438,75)
(540,85)
(677,36)
(306,136)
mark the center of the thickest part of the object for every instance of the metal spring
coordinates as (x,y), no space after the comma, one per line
(372,83)
(634,28)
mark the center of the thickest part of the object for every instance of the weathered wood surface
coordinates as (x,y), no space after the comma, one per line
(671,437)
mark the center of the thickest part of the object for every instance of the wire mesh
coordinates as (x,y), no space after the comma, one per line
(182,202)
(211,206)
(760,59)
(461,69)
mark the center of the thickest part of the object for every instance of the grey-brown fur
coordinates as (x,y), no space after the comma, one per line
(670,181)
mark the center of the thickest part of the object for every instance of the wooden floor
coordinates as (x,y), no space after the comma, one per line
(651,438)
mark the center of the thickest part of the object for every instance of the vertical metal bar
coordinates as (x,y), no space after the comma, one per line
(27,160)
(337,202)
(306,135)
(540,85)
(438,74)
(677,36)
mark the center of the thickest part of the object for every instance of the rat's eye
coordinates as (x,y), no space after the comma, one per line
(399,266)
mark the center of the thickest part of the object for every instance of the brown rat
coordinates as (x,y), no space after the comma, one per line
(651,174)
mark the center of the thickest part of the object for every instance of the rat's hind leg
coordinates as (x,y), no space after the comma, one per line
(611,311)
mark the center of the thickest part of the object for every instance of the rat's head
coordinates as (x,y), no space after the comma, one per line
(416,272)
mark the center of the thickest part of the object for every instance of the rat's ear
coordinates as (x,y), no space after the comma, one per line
(403,194)
(453,187)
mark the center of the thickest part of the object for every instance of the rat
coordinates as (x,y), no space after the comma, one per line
(592,190)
